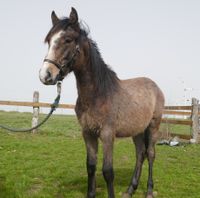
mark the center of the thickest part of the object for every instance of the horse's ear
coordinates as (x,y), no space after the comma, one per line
(54,18)
(73,17)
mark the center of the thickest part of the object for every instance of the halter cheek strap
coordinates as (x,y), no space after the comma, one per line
(63,68)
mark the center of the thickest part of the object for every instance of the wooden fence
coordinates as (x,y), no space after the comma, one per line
(191,113)
(191,116)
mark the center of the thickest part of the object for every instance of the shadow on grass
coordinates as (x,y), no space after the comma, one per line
(122,180)
(77,187)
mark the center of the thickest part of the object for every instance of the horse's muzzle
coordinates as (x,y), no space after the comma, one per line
(47,79)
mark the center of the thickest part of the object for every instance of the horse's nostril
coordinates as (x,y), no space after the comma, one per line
(48,77)
(48,73)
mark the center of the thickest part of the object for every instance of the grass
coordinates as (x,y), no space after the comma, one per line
(51,163)
(176,129)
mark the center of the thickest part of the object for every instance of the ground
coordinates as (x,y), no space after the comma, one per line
(51,163)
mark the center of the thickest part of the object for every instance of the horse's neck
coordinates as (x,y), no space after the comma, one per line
(85,86)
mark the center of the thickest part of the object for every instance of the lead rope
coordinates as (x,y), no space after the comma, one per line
(54,105)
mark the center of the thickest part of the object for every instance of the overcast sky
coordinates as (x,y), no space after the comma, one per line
(159,39)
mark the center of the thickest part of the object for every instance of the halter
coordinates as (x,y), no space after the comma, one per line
(65,66)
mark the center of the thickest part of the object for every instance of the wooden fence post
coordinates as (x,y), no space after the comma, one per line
(35,111)
(195,120)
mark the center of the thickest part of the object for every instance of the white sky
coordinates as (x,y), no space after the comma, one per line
(157,39)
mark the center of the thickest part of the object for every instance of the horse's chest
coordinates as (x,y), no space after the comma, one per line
(92,117)
(88,120)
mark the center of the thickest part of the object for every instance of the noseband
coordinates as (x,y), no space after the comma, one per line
(67,66)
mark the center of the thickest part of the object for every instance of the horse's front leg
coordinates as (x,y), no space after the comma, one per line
(91,142)
(107,139)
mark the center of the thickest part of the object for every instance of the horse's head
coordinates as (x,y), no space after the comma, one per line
(64,52)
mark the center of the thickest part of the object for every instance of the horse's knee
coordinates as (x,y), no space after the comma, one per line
(108,174)
(91,169)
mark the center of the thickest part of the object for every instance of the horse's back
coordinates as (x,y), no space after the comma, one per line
(143,88)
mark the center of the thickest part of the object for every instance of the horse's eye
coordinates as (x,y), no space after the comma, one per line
(68,40)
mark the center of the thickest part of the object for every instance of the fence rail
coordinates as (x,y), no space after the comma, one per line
(34,104)
(192,113)
(181,113)
(178,107)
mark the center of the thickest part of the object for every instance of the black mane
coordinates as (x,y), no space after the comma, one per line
(104,77)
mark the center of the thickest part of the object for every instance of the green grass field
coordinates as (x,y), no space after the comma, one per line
(51,163)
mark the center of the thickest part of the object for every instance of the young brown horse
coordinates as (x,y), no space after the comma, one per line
(106,106)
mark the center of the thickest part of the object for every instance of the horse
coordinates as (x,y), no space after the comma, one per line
(106,107)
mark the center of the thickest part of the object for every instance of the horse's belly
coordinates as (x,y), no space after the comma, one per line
(120,134)
(130,131)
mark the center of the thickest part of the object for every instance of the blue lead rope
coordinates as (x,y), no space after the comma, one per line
(54,105)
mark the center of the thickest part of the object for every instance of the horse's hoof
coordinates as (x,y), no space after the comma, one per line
(126,195)
(150,196)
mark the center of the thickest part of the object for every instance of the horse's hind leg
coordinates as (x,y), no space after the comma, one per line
(140,156)
(151,137)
